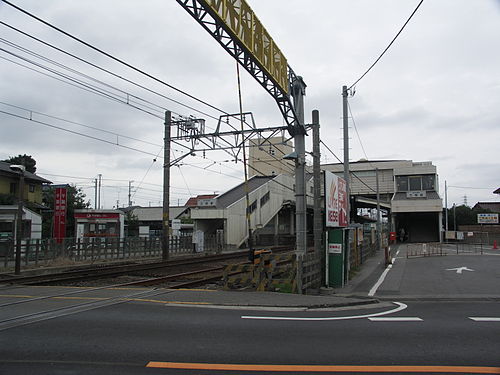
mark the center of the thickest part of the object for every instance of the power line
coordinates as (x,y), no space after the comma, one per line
(130,66)
(385,50)
(77,133)
(356,129)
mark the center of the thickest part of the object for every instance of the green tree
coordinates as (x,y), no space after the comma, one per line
(76,199)
(464,215)
(25,160)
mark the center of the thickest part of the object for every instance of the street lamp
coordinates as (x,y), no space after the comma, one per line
(19,217)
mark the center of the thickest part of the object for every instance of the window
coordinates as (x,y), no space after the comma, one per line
(31,188)
(428,182)
(401,183)
(415,183)
(272,152)
(252,207)
(13,188)
(264,199)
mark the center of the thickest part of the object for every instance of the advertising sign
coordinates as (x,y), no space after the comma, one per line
(240,20)
(336,200)
(60,206)
(334,248)
(487,218)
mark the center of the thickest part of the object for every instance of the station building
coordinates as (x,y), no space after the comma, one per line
(409,191)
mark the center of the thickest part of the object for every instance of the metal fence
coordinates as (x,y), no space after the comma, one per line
(49,251)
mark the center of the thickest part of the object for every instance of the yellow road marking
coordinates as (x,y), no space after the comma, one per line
(325,368)
(197,290)
(15,296)
(167,302)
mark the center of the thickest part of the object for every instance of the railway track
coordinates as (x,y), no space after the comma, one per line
(112,271)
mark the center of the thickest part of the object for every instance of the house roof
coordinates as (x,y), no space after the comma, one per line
(5,169)
(193,201)
(492,206)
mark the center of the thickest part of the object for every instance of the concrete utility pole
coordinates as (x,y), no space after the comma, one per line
(445,206)
(318,223)
(346,172)
(165,245)
(298,93)
(99,195)
(95,194)
(19,217)
(379,219)
(130,193)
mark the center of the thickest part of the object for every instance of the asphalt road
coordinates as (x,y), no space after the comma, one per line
(124,338)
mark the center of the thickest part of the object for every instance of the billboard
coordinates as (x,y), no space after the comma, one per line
(487,218)
(60,206)
(335,201)
(242,22)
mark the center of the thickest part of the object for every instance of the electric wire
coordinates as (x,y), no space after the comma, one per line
(130,66)
(385,50)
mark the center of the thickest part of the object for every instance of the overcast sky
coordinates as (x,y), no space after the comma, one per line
(435,96)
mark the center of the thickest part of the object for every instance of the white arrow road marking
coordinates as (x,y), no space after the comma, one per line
(459,269)
(484,319)
(401,306)
(396,319)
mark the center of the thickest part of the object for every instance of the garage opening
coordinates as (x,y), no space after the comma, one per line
(418,226)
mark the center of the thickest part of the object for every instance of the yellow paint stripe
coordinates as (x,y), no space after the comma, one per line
(15,296)
(197,290)
(324,368)
(167,302)
(85,298)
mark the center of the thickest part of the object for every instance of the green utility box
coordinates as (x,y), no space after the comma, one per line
(335,253)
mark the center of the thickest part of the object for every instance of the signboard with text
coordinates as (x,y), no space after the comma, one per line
(487,218)
(60,206)
(335,201)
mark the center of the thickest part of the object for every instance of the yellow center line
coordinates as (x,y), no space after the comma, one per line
(325,368)
(167,302)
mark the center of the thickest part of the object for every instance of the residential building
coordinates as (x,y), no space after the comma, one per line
(266,157)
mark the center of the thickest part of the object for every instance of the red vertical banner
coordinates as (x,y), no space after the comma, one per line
(60,206)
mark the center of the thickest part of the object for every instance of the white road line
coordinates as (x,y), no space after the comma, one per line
(401,306)
(396,319)
(484,319)
(381,279)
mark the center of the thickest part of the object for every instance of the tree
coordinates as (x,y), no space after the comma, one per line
(464,216)
(76,199)
(25,160)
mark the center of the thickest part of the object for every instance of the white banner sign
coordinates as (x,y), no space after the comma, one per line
(487,218)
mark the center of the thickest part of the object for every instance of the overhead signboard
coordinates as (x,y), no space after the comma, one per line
(487,218)
(242,22)
(335,201)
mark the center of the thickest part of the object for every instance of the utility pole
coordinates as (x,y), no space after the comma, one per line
(166,187)
(19,217)
(298,93)
(379,224)
(318,223)
(346,173)
(95,194)
(130,193)
(99,195)
(445,206)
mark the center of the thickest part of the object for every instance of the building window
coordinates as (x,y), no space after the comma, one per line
(272,152)
(252,207)
(264,199)
(31,188)
(428,182)
(401,183)
(415,183)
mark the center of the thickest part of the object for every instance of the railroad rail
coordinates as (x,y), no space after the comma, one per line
(117,270)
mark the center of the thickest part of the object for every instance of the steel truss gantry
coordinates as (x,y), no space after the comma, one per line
(204,14)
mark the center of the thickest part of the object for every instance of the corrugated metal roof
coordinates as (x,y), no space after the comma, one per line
(238,192)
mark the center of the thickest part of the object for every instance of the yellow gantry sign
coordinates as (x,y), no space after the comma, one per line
(244,24)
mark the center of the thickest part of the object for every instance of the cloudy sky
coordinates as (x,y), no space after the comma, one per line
(434,96)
